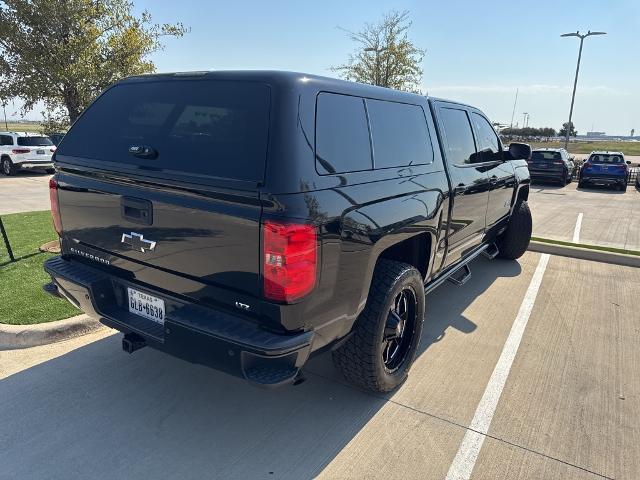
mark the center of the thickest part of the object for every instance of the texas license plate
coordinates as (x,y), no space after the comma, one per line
(146,305)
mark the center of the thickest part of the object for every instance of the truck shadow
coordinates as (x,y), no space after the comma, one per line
(95,412)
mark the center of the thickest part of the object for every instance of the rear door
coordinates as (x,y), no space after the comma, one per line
(469,181)
(161,176)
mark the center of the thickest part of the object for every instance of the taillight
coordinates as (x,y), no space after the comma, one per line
(55,207)
(52,149)
(290,260)
(557,163)
(20,150)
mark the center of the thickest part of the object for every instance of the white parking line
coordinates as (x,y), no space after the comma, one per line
(576,231)
(465,460)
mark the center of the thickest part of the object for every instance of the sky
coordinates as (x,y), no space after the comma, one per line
(478,52)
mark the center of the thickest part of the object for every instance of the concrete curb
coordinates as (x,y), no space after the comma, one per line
(585,254)
(25,336)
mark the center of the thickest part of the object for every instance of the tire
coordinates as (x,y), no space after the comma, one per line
(8,168)
(515,240)
(369,360)
(51,171)
(580,184)
(623,188)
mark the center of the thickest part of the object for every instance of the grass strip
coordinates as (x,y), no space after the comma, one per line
(23,300)
(587,246)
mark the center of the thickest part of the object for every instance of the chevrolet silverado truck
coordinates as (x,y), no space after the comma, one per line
(249,220)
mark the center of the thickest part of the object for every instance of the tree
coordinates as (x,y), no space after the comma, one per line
(66,52)
(563,131)
(384,55)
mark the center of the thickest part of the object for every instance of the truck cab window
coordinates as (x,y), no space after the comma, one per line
(461,148)
(488,144)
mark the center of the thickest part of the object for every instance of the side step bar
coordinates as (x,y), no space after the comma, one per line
(491,252)
(461,276)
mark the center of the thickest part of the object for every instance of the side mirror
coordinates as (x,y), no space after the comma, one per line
(520,151)
(628,162)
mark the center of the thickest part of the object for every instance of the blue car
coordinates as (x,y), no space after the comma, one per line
(605,168)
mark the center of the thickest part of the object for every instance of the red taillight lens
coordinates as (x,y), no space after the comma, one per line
(55,208)
(290,260)
(20,150)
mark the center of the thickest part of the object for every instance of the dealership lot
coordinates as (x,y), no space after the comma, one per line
(570,407)
(597,216)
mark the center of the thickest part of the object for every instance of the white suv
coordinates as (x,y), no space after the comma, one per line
(21,150)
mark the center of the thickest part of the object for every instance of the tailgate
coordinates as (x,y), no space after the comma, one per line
(213,238)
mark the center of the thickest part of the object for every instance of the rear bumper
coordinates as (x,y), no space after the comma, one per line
(34,165)
(605,179)
(546,175)
(194,333)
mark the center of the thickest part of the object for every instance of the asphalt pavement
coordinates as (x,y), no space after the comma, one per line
(597,215)
(567,400)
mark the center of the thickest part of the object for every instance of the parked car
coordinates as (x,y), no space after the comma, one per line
(56,138)
(247,220)
(25,151)
(605,168)
(551,164)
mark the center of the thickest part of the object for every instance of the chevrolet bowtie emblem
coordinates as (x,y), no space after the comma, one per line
(138,242)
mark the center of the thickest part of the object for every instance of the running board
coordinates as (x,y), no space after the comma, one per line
(491,252)
(461,276)
(452,271)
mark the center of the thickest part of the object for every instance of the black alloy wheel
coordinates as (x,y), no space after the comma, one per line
(399,329)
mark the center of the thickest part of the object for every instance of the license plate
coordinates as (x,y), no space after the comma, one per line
(40,152)
(146,305)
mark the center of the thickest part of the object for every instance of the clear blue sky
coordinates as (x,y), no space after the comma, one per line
(477,51)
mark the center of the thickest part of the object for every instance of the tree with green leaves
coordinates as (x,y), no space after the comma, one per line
(65,52)
(563,131)
(384,55)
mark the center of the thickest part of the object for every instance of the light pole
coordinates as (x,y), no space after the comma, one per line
(575,81)
(4,109)
(377,51)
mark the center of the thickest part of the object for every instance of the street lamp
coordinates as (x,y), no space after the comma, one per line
(575,81)
(377,51)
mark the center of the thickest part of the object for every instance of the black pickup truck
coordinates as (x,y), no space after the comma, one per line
(247,220)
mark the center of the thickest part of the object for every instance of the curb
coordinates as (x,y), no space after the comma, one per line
(25,336)
(585,254)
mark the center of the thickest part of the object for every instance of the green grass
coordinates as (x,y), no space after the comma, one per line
(23,301)
(22,127)
(586,245)
(628,148)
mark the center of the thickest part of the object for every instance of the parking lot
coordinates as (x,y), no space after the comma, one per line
(26,192)
(596,216)
(569,409)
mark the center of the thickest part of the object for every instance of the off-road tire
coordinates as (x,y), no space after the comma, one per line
(7,170)
(515,240)
(360,358)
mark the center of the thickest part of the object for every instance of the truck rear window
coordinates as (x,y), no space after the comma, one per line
(204,127)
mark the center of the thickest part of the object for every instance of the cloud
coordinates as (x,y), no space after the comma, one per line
(534,89)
